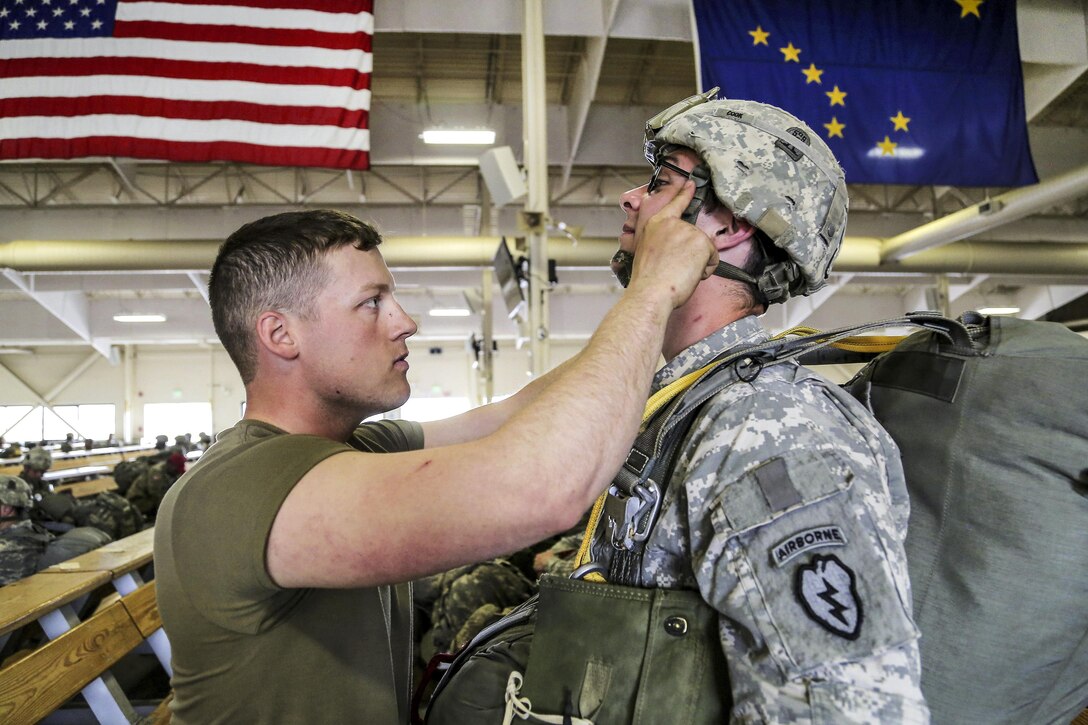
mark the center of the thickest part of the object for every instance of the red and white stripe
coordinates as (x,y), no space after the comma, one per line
(175,83)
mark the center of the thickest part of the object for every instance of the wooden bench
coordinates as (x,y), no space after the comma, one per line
(108,457)
(78,661)
(79,654)
(87,488)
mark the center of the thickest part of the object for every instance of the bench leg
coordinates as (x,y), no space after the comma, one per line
(160,645)
(108,702)
(127,583)
(103,695)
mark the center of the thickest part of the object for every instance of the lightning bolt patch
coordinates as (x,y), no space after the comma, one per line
(827,590)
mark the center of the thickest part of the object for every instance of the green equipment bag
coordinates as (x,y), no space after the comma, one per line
(994,440)
(555,661)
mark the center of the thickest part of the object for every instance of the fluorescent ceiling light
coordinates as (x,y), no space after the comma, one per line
(449,312)
(15,351)
(998,310)
(479,137)
(139,318)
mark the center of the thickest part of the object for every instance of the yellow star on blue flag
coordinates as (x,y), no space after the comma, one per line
(913,92)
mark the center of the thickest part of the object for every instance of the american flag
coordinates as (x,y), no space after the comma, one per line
(277,82)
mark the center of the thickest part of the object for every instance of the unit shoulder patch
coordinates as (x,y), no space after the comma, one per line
(827,590)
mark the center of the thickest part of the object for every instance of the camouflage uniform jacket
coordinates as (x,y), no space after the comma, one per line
(21,546)
(148,488)
(787,510)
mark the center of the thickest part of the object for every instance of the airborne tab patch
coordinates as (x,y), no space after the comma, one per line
(807,540)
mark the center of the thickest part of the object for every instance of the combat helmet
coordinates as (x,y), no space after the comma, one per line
(771,170)
(16,492)
(39,459)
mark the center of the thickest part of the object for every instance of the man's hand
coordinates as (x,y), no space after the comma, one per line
(672,254)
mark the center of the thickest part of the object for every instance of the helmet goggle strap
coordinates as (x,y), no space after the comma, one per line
(700,176)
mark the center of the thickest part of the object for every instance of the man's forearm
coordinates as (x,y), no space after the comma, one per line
(593,406)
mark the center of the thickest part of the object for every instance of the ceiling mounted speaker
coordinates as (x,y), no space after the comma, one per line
(502,175)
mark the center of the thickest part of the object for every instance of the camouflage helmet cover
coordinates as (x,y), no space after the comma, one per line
(770,169)
(39,459)
(16,492)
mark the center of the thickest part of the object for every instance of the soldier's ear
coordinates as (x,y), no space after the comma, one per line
(274,335)
(732,231)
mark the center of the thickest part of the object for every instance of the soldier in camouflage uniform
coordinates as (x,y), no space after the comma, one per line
(126,472)
(111,513)
(148,488)
(22,542)
(37,461)
(786,508)
(461,593)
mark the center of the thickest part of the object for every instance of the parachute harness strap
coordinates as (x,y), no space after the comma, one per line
(653,405)
(778,349)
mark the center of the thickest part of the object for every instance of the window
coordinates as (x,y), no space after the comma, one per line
(19,422)
(35,423)
(93,421)
(176,419)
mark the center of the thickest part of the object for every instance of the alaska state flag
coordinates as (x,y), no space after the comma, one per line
(906,92)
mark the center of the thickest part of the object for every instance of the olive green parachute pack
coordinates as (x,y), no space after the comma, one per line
(991,417)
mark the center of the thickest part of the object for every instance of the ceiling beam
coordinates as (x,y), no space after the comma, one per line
(1036,301)
(1053,38)
(1002,209)
(70,308)
(799,309)
(585,87)
(200,281)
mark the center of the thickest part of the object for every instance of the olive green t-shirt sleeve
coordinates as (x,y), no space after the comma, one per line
(222,523)
(386,436)
(224,518)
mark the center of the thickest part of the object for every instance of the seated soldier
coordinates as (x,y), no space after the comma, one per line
(111,513)
(13,451)
(126,472)
(148,488)
(453,598)
(26,546)
(22,542)
(66,446)
(37,461)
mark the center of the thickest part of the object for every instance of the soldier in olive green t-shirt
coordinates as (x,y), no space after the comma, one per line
(325,653)
(276,555)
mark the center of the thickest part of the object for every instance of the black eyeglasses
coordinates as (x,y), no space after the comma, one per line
(700,174)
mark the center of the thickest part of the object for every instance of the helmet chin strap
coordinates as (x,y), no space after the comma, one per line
(773,284)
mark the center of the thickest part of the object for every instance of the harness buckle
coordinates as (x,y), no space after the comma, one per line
(628,523)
